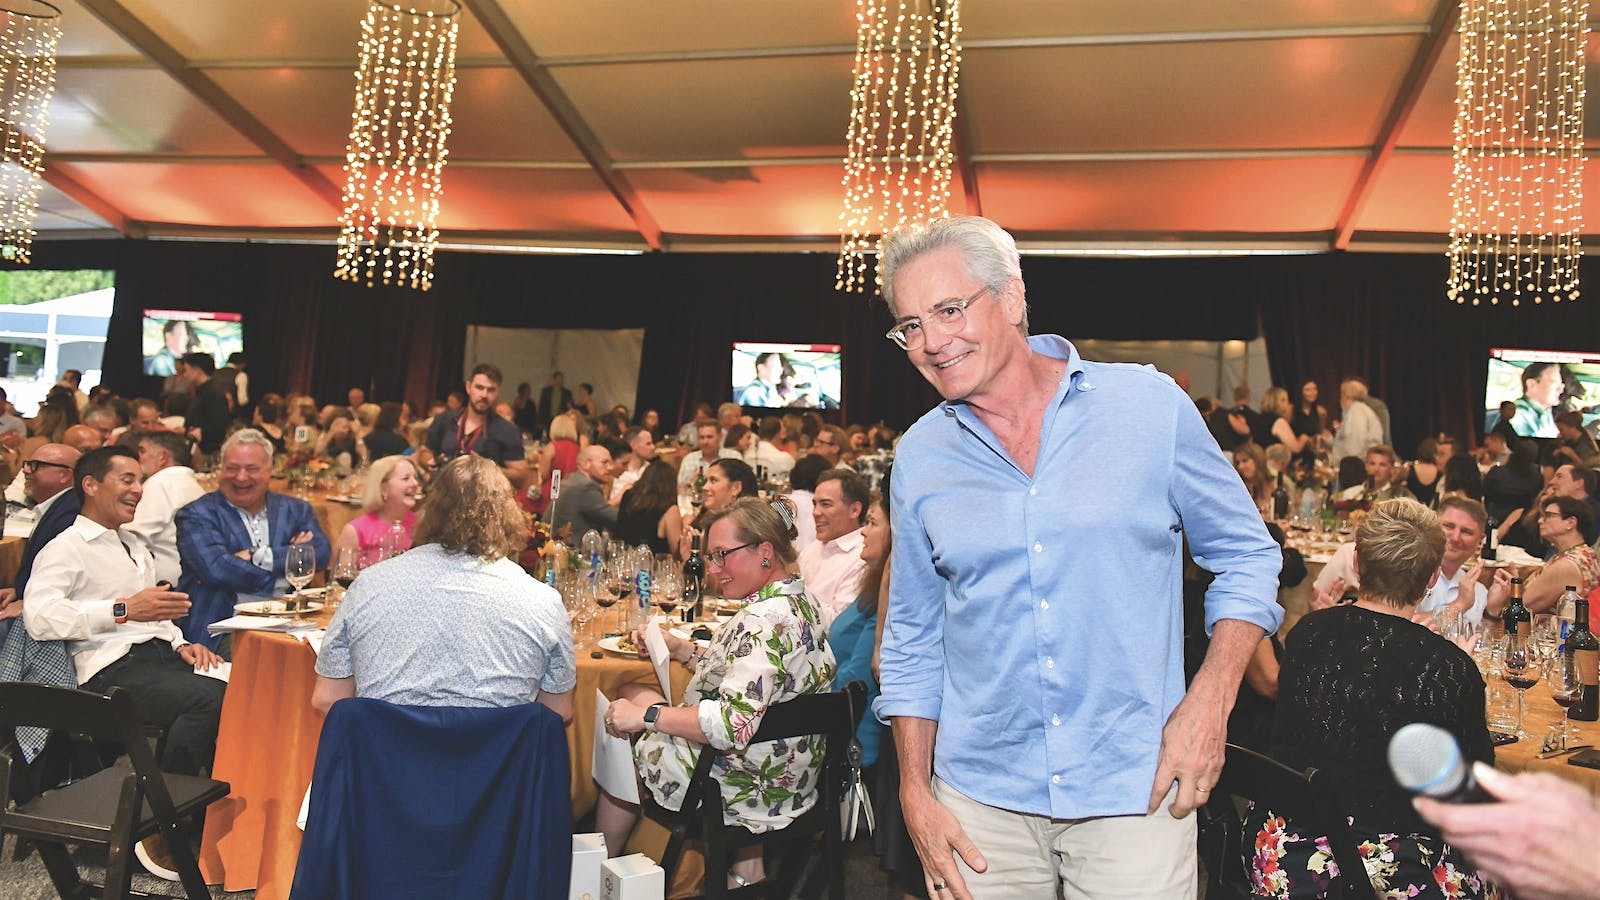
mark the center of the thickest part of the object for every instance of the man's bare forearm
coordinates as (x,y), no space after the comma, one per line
(913,741)
(1232,642)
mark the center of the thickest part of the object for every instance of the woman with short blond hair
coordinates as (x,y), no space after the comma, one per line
(389,499)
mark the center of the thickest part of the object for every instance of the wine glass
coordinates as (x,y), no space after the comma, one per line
(1519,666)
(1562,678)
(299,566)
(1546,634)
(582,604)
(346,563)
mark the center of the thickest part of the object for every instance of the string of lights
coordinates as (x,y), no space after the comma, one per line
(902,124)
(396,154)
(30,30)
(1517,192)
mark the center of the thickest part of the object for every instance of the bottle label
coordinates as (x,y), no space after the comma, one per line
(1588,667)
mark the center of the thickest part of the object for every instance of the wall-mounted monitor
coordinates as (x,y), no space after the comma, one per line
(786,376)
(1540,385)
(170,333)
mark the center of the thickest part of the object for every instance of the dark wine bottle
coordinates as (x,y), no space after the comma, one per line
(1585,649)
(694,576)
(1491,542)
(1516,612)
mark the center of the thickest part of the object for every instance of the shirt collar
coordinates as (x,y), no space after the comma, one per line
(850,542)
(1054,346)
(246,513)
(43,506)
(87,529)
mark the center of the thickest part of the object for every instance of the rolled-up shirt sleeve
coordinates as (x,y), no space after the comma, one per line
(1224,529)
(911,662)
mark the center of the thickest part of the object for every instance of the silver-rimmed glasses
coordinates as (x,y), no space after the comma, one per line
(909,334)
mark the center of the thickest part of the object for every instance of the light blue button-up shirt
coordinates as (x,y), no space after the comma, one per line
(1039,620)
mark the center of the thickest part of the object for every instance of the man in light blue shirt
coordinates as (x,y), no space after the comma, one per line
(1031,664)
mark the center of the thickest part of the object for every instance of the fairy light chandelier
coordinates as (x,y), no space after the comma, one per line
(902,120)
(31,31)
(1517,196)
(404,82)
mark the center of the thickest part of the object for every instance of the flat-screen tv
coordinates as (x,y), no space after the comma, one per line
(786,376)
(1540,385)
(170,333)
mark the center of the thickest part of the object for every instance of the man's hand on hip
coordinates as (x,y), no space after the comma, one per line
(938,836)
(1191,753)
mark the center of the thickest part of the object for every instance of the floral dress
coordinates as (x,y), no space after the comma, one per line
(772,650)
(1289,865)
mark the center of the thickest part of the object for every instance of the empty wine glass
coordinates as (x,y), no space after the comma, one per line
(1519,666)
(346,563)
(1562,678)
(299,567)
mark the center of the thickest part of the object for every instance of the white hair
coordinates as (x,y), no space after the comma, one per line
(990,253)
(247,437)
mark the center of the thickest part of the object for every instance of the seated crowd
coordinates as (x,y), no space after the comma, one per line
(132,559)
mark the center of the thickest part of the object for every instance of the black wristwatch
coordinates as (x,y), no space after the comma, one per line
(651,714)
(119,611)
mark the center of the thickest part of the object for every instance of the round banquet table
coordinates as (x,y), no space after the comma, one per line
(267,749)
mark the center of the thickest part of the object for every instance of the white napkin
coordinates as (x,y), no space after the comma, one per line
(249,623)
(313,639)
(220,671)
(660,656)
(612,765)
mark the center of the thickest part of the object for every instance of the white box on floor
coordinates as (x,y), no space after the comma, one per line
(588,853)
(635,877)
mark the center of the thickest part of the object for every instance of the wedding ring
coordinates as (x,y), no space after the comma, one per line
(1201,790)
(938,886)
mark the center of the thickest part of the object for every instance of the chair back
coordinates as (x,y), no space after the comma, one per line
(1310,798)
(99,717)
(477,800)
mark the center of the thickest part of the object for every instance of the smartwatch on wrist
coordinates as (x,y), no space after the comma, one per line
(651,715)
(119,612)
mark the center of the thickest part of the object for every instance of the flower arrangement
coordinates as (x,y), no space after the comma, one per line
(306,464)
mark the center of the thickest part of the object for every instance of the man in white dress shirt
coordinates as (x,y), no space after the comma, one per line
(832,567)
(708,437)
(1465,522)
(641,451)
(169,485)
(95,588)
(765,454)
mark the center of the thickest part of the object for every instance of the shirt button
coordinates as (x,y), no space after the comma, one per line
(1033,492)
(1038,547)
(1044,604)
(1055,779)
(1050,662)
(1055,720)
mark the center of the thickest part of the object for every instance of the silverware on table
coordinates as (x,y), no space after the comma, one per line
(1552,754)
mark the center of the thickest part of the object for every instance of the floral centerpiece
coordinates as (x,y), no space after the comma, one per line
(304,465)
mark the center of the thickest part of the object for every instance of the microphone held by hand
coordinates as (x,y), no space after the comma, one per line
(1426,759)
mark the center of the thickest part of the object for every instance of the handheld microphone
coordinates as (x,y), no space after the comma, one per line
(1426,759)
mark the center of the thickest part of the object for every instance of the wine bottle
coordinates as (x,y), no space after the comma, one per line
(694,575)
(700,487)
(1585,649)
(1516,613)
(1491,543)
(1280,502)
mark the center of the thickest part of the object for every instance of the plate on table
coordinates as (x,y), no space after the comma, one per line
(620,644)
(275,607)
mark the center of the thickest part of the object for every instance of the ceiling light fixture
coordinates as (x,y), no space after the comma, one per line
(902,123)
(1517,195)
(404,81)
(31,31)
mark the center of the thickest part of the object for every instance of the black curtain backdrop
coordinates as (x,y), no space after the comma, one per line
(1323,316)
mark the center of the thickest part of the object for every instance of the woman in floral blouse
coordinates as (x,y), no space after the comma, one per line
(772,650)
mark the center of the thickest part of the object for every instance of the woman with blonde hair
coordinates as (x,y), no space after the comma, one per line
(1277,413)
(390,499)
(560,455)
(774,649)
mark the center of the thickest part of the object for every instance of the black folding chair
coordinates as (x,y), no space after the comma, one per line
(115,807)
(833,715)
(1310,798)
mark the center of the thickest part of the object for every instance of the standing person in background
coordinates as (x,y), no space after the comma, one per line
(209,411)
(1021,768)
(554,399)
(1360,427)
(584,403)
(475,429)
(236,384)
(525,411)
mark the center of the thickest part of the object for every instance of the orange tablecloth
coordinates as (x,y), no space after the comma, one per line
(10,559)
(267,749)
(1539,714)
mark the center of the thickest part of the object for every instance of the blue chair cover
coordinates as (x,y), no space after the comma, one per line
(432,802)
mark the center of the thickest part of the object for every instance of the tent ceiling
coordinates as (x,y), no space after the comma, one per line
(1229,123)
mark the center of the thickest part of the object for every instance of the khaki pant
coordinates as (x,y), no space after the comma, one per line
(1109,858)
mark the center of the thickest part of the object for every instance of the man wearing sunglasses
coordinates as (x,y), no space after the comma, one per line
(47,476)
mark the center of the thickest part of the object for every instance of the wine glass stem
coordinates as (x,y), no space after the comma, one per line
(1520,732)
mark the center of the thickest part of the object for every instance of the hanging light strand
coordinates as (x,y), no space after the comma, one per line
(1517,193)
(902,124)
(31,33)
(404,82)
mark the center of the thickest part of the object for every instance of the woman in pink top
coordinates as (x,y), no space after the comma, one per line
(390,497)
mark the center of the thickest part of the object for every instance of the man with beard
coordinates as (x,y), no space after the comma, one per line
(476,429)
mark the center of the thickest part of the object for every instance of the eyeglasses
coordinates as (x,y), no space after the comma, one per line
(719,557)
(1553,514)
(949,316)
(33,465)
